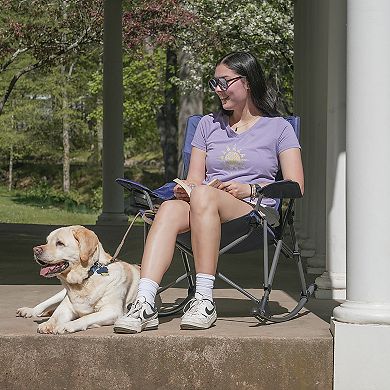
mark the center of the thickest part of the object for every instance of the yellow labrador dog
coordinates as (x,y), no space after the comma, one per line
(96,292)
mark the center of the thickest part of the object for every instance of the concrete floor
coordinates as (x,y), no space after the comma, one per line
(305,340)
(17,267)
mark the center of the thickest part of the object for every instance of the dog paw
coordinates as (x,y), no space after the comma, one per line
(46,327)
(64,328)
(25,312)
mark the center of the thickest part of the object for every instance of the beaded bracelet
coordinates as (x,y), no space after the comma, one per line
(253,192)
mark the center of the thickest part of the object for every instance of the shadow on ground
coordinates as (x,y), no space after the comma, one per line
(17,266)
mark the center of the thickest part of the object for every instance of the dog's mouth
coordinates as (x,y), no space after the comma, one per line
(51,270)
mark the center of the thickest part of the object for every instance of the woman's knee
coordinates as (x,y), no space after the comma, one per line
(171,212)
(203,198)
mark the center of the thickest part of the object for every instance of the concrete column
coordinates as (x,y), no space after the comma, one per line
(113,201)
(310,97)
(332,283)
(361,325)
(303,45)
(318,96)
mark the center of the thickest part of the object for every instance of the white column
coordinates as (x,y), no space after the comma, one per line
(306,113)
(332,283)
(308,104)
(316,263)
(113,202)
(315,165)
(361,325)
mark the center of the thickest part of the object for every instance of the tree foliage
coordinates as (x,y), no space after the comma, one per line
(154,21)
(209,29)
(264,28)
(38,31)
(38,37)
(143,96)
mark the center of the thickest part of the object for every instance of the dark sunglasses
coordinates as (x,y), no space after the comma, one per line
(222,83)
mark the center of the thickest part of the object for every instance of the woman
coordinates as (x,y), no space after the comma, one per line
(243,145)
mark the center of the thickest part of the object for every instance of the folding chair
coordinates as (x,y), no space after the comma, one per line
(256,230)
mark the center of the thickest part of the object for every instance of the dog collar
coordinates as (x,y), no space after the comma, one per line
(99,269)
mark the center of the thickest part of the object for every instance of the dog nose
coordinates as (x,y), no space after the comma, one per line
(37,250)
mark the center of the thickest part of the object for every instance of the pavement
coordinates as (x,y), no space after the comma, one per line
(237,353)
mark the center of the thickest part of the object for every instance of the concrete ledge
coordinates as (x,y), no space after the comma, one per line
(238,353)
(164,362)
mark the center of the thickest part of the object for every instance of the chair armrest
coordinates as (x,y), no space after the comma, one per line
(164,192)
(281,189)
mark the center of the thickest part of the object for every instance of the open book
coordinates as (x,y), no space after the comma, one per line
(188,189)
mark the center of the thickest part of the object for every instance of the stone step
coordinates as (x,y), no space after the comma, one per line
(237,353)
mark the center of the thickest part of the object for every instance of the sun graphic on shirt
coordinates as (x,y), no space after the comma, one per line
(233,158)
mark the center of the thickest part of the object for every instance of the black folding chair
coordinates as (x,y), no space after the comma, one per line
(258,229)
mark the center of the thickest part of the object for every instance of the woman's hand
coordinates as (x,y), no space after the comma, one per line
(238,190)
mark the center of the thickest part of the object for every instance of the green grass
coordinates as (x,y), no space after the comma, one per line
(15,212)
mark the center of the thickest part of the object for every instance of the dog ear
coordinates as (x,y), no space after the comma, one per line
(88,242)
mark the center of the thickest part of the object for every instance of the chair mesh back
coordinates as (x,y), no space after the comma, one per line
(295,122)
(192,123)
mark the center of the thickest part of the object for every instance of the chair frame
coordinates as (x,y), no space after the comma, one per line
(282,189)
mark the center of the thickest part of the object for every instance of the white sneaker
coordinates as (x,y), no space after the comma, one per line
(141,316)
(199,313)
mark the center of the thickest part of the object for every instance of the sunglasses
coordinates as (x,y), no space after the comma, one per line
(222,83)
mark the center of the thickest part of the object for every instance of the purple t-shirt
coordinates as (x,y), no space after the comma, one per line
(248,157)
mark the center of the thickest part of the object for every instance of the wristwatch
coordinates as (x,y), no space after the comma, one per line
(257,189)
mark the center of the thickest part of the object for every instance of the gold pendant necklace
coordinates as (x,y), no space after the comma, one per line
(246,123)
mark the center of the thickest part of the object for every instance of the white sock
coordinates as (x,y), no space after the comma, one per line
(148,288)
(204,285)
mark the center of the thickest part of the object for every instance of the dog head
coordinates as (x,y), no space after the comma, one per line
(69,253)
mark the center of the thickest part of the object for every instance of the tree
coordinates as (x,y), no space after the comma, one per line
(143,82)
(26,33)
(157,24)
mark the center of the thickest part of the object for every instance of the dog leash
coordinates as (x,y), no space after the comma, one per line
(102,269)
(114,258)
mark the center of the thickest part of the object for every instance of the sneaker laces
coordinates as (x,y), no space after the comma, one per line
(135,308)
(194,307)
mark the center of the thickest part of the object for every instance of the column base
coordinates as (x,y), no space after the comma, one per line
(361,354)
(112,219)
(363,313)
(331,286)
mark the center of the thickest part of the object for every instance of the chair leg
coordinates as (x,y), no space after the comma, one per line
(262,312)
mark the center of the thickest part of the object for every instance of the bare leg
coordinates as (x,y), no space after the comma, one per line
(171,219)
(209,208)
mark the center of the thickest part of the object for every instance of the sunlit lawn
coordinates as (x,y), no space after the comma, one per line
(13,212)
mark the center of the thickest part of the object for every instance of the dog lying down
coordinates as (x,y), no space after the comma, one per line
(96,292)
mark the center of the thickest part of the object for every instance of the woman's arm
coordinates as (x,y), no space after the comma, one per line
(196,173)
(291,164)
(197,169)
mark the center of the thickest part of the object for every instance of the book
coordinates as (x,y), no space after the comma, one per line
(187,188)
